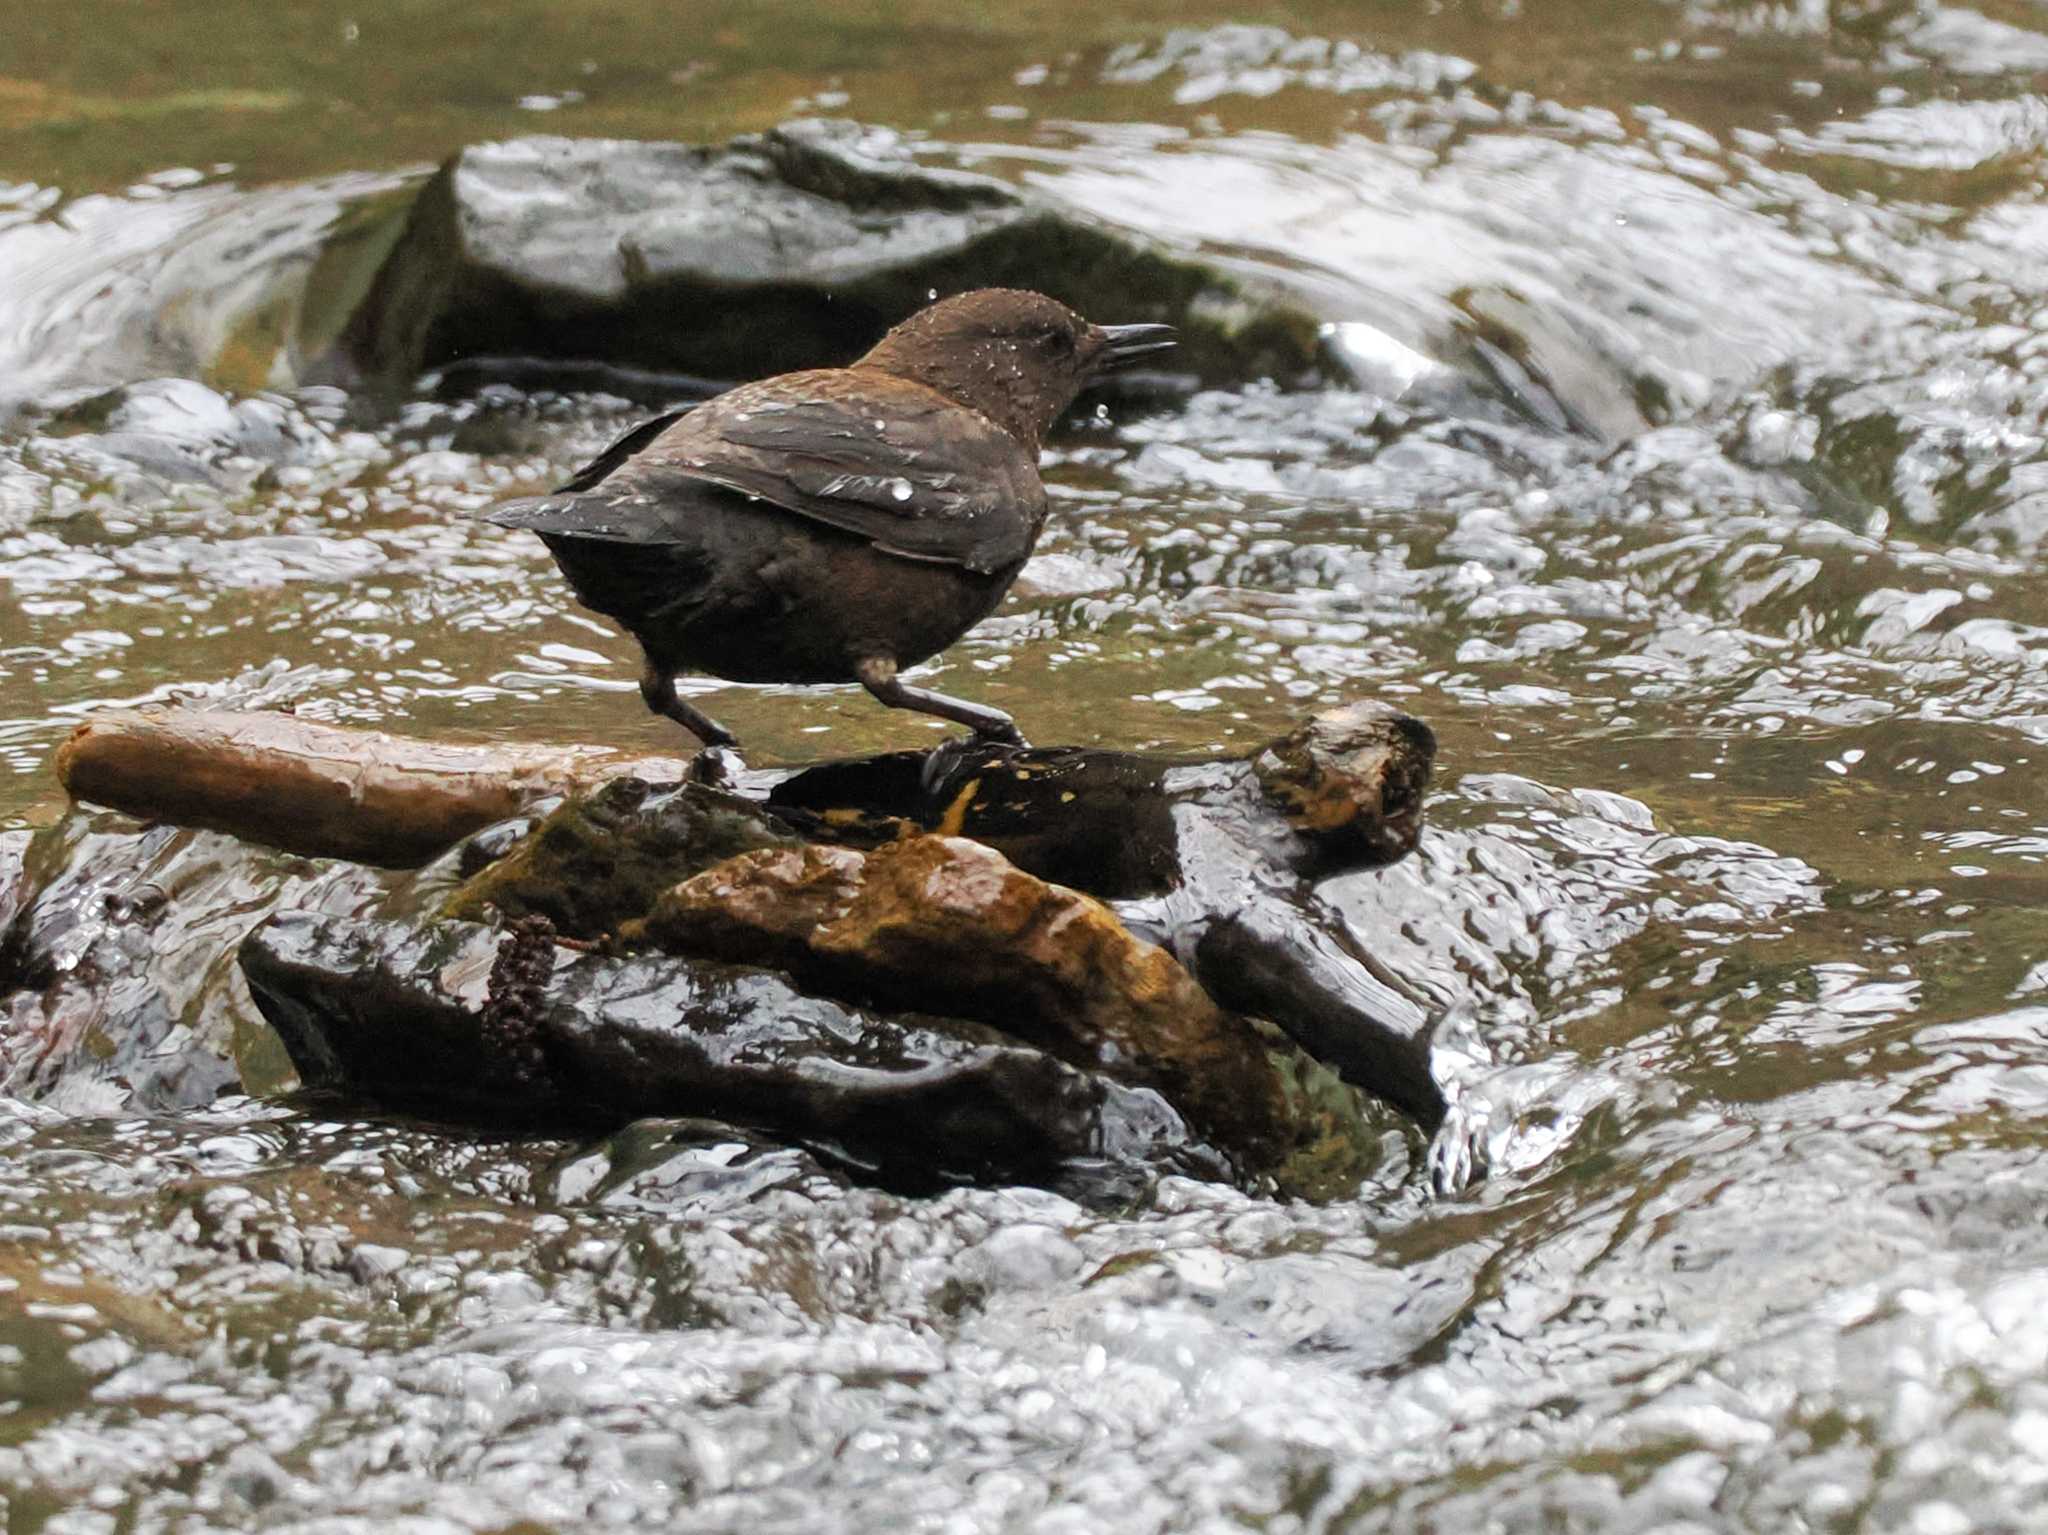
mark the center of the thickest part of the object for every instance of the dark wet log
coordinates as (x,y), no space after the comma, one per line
(405,1015)
(1342,791)
(318,789)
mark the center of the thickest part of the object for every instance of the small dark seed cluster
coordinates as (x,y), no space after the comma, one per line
(518,984)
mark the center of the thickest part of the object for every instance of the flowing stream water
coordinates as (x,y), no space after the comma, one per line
(1694,489)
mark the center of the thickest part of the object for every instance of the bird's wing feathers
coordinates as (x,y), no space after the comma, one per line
(594,473)
(585,506)
(914,473)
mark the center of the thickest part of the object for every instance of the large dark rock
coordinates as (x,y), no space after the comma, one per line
(789,249)
(944,921)
(1218,862)
(420,1016)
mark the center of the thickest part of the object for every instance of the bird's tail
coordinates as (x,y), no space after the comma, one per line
(542,514)
(566,509)
(615,519)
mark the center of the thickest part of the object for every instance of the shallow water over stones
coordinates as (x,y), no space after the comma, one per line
(1691,492)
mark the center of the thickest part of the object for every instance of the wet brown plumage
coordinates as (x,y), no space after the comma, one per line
(837,524)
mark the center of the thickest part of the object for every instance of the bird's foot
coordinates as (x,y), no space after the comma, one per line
(1001,731)
(878,675)
(942,763)
(716,767)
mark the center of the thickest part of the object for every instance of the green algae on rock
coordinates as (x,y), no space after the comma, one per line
(604,859)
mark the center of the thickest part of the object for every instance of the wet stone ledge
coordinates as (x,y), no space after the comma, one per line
(794,248)
(834,956)
(410,1017)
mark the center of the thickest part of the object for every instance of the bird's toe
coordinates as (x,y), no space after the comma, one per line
(716,767)
(1004,733)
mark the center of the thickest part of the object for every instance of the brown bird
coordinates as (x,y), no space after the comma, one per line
(838,524)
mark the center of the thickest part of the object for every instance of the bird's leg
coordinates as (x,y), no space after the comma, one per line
(659,689)
(715,763)
(878,675)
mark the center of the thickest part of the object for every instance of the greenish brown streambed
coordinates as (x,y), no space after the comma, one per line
(1693,491)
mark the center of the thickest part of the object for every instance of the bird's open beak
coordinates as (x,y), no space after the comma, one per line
(1128,344)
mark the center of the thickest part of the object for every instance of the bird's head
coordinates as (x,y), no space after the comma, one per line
(1017,357)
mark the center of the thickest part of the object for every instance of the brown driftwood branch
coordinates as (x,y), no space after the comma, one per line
(325,790)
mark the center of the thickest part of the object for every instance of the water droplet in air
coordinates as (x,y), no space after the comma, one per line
(900,489)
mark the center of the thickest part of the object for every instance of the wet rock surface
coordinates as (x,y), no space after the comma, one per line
(1003,989)
(602,860)
(14,846)
(118,988)
(790,249)
(409,1017)
(945,922)
(1219,862)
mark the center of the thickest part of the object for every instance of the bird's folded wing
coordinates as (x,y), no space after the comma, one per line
(916,474)
(599,469)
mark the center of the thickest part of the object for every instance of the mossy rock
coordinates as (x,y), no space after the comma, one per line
(603,859)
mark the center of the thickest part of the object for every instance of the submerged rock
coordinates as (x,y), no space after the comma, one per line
(942,921)
(789,249)
(118,987)
(405,1015)
(657,1166)
(184,431)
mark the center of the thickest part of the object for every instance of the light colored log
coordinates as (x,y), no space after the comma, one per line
(326,790)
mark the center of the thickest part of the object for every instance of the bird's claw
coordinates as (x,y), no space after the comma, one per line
(716,767)
(941,761)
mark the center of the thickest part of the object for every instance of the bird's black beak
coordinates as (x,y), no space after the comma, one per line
(1128,344)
